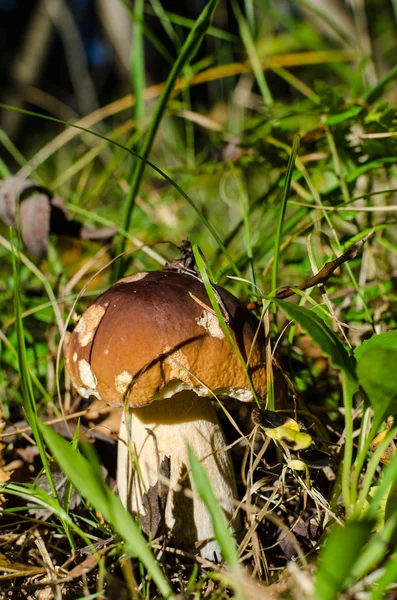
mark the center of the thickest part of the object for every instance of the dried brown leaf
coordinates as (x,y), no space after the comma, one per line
(154,502)
(41,214)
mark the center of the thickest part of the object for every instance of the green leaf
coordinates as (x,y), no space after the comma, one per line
(322,335)
(283,206)
(186,54)
(389,478)
(222,532)
(377,374)
(389,577)
(85,476)
(213,295)
(387,340)
(341,551)
(376,550)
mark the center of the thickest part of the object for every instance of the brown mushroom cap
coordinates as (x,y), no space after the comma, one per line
(153,334)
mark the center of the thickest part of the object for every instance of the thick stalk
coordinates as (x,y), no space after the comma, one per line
(174,421)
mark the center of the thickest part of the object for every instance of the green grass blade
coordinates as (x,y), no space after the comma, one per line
(169,180)
(26,380)
(245,212)
(215,305)
(27,386)
(249,45)
(376,549)
(154,40)
(322,335)
(341,550)
(165,20)
(222,532)
(186,54)
(250,12)
(389,577)
(85,476)
(34,494)
(283,206)
(137,64)
(168,18)
(349,388)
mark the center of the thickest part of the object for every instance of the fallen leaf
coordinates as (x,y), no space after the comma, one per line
(40,215)
(282,428)
(60,481)
(154,501)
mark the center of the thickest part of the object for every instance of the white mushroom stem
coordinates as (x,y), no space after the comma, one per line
(175,421)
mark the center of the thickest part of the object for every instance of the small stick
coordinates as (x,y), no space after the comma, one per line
(321,277)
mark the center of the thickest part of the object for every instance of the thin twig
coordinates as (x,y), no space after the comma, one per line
(321,277)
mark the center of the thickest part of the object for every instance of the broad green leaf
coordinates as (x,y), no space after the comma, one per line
(377,374)
(87,480)
(342,549)
(386,341)
(322,335)
(376,550)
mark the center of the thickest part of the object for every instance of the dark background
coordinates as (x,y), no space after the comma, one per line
(66,58)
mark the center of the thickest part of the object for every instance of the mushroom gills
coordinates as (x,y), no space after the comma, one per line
(184,418)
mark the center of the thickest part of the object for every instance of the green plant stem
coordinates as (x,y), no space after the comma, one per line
(246,36)
(349,388)
(283,205)
(27,389)
(364,432)
(364,442)
(245,212)
(373,464)
(362,455)
(137,66)
(215,305)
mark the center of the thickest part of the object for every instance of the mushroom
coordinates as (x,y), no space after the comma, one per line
(152,344)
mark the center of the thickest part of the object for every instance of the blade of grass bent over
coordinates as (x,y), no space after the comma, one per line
(216,306)
(204,220)
(221,530)
(187,52)
(86,477)
(27,387)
